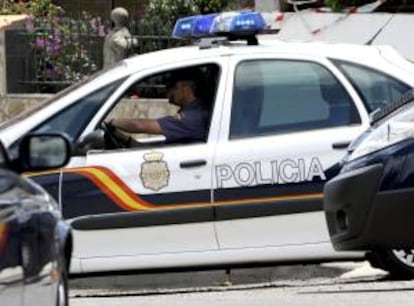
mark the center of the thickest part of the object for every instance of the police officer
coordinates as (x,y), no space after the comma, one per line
(190,124)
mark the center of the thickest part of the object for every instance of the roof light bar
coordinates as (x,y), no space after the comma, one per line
(184,27)
(202,25)
(230,23)
(238,23)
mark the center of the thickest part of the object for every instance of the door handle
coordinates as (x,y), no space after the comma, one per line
(193,163)
(341,145)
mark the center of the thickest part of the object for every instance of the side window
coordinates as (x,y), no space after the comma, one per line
(375,88)
(279,96)
(148,98)
(73,119)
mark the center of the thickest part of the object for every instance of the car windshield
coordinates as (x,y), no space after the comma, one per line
(66,91)
(381,115)
(385,111)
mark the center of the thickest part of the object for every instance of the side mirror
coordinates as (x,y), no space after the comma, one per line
(43,151)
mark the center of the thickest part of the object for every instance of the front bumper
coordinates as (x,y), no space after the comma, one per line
(360,217)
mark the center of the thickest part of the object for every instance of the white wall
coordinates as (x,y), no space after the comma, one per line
(267,5)
(381,28)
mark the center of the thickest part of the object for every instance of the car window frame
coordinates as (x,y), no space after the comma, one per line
(115,83)
(220,61)
(293,59)
(338,64)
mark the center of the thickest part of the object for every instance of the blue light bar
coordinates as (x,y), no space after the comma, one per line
(184,27)
(244,22)
(231,23)
(202,25)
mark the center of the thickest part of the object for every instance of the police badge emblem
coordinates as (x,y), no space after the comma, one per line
(154,171)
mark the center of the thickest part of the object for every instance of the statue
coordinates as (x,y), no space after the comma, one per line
(119,40)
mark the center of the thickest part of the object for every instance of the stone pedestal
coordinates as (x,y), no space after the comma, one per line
(6,22)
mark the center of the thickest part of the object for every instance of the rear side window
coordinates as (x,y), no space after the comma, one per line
(279,96)
(375,88)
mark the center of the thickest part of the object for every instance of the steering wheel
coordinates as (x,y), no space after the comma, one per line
(110,139)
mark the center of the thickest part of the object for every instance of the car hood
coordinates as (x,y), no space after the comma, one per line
(380,117)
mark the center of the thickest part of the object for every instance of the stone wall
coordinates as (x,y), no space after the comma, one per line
(14,104)
(143,108)
(6,22)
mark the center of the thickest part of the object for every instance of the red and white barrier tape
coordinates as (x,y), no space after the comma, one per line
(363,9)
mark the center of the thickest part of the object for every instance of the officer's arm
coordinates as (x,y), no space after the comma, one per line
(148,126)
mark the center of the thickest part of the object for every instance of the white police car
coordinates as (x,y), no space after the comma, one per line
(282,115)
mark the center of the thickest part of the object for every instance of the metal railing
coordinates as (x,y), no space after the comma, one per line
(45,58)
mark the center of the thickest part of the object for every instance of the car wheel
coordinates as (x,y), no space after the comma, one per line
(62,288)
(399,262)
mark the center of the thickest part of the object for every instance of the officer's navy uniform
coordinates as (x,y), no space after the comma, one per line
(189,125)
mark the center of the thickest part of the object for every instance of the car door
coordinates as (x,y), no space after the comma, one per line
(39,249)
(154,200)
(288,124)
(11,268)
(27,243)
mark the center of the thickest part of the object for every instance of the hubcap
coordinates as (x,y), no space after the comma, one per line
(406,256)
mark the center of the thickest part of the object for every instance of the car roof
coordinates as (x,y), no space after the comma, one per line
(364,55)
(267,45)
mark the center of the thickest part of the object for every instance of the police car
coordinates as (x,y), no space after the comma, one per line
(377,216)
(282,116)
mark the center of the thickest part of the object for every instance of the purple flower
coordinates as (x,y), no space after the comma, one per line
(49,72)
(52,47)
(40,42)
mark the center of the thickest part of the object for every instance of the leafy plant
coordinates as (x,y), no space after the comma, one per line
(8,7)
(154,27)
(60,44)
(171,10)
(60,55)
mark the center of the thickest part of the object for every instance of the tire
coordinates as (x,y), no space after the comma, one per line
(399,263)
(62,287)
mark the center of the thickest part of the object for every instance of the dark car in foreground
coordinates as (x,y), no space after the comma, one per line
(370,204)
(35,242)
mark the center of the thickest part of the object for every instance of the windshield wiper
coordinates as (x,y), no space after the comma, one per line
(381,113)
